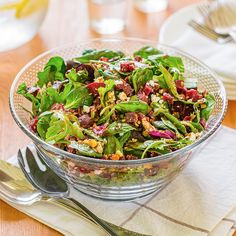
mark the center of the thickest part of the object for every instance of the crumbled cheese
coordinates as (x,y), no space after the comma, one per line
(99,79)
(99,147)
(118,82)
(151,83)
(86,109)
(111,96)
(122,96)
(97,172)
(155,98)
(192,137)
(91,142)
(161,101)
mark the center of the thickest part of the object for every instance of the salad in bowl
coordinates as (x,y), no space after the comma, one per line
(111,119)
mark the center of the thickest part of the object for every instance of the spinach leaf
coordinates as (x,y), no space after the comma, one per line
(140,77)
(84,149)
(78,97)
(169,80)
(60,127)
(43,125)
(80,76)
(22,89)
(158,146)
(172,119)
(113,146)
(167,61)
(53,70)
(102,91)
(124,138)
(132,106)
(146,51)
(210,101)
(119,128)
(97,54)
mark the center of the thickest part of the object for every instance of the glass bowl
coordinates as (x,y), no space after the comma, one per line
(117,180)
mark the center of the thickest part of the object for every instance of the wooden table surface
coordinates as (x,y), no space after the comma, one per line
(66,21)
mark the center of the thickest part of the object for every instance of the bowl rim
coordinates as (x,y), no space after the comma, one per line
(63,153)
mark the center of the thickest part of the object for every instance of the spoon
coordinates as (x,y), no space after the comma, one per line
(52,186)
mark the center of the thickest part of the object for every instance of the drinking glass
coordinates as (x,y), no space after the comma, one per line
(149,6)
(20,21)
(107,16)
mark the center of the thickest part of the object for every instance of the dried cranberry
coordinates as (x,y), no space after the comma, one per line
(93,87)
(127,66)
(84,170)
(138,58)
(167,97)
(105,59)
(58,107)
(147,89)
(33,124)
(187,118)
(188,109)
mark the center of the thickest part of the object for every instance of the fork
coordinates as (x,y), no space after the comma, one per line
(220,18)
(209,33)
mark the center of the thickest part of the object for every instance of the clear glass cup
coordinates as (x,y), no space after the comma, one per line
(107,16)
(149,6)
(20,21)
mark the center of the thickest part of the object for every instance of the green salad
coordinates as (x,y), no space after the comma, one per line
(108,105)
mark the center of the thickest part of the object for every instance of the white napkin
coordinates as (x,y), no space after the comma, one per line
(199,202)
(219,57)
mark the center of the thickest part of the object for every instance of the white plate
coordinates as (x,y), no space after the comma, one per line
(175,26)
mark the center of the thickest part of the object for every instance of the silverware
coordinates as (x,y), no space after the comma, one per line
(53,187)
(220,17)
(209,33)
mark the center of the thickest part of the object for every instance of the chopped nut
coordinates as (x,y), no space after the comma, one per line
(122,96)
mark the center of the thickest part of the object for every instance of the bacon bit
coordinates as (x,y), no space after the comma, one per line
(203,122)
(167,97)
(93,87)
(147,89)
(127,66)
(33,124)
(57,107)
(105,59)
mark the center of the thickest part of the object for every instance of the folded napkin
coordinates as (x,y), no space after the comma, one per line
(219,57)
(199,202)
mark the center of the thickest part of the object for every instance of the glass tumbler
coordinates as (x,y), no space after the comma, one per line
(148,6)
(20,21)
(107,16)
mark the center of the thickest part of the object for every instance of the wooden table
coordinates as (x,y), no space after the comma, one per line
(66,21)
